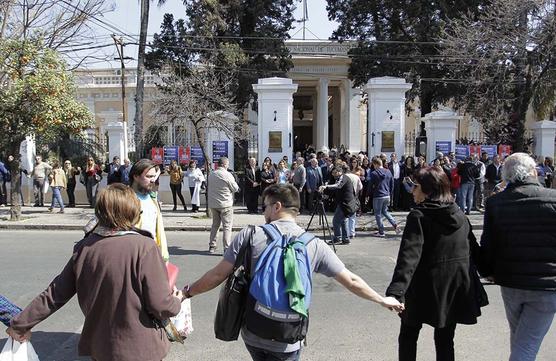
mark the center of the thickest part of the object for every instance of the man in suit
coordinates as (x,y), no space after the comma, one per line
(394,167)
(314,181)
(252,186)
(493,175)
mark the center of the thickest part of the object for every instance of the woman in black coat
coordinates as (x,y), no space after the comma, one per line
(435,275)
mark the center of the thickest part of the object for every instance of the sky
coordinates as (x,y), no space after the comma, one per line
(125,17)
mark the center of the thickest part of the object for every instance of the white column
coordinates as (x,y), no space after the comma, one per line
(544,133)
(351,125)
(116,134)
(321,142)
(386,113)
(116,140)
(315,117)
(275,114)
(442,127)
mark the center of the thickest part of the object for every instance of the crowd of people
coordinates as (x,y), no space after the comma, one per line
(380,184)
(435,280)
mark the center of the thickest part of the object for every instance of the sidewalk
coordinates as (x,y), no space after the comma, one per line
(75,218)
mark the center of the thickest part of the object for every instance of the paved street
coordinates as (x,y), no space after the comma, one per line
(76,218)
(342,326)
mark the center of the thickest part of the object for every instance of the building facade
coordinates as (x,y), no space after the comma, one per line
(328,112)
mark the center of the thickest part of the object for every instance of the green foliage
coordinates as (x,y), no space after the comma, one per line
(242,37)
(398,38)
(37,96)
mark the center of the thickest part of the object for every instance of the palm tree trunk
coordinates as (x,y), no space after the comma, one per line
(141,79)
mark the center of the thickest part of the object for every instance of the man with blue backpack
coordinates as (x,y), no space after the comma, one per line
(282,259)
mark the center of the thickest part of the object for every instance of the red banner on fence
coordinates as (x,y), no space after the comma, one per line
(475,149)
(184,154)
(157,155)
(504,150)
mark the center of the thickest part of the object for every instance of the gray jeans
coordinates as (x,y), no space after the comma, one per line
(530,314)
(224,216)
(38,189)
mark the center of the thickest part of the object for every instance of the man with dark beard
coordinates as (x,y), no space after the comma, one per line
(142,178)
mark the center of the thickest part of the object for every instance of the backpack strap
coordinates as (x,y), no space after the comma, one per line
(306,238)
(272,232)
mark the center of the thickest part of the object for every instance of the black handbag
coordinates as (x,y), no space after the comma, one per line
(233,294)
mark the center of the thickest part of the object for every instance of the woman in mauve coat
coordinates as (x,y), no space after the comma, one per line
(121,284)
(435,275)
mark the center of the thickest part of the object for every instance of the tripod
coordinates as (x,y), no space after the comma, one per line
(318,208)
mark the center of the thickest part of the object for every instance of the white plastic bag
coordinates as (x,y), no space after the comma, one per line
(15,351)
(183,321)
(46,186)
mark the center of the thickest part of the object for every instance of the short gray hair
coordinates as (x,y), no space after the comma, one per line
(518,167)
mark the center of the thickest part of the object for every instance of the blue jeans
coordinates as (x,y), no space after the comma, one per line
(351,225)
(466,191)
(57,197)
(259,354)
(340,225)
(530,314)
(380,206)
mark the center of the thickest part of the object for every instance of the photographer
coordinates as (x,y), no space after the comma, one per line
(346,204)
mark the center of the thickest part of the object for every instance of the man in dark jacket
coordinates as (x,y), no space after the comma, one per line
(252,186)
(468,172)
(395,169)
(4,176)
(314,181)
(346,204)
(518,249)
(493,175)
(113,171)
(382,188)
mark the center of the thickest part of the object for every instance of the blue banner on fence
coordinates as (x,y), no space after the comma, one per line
(170,154)
(444,147)
(197,155)
(491,150)
(219,150)
(462,151)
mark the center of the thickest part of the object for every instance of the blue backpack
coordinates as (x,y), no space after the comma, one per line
(280,291)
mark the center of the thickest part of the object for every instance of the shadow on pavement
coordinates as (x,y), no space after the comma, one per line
(177,251)
(58,346)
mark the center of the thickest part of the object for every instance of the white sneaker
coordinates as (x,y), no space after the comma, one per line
(397,229)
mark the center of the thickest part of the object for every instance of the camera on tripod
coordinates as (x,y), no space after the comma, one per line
(319,196)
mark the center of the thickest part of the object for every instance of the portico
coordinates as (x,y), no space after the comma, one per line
(326,108)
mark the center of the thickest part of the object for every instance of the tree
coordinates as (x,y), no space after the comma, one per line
(247,36)
(37,97)
(36,91)
(140,89)
(59,24)
(397,38)
(202,101)
(507,65)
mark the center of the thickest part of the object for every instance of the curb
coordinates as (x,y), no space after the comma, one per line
(184,228)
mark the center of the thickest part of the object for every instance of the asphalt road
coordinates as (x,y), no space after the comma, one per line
(343,326)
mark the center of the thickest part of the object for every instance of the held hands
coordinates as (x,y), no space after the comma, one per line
(322,188)
(178,293)
(392,304)
(19,337)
